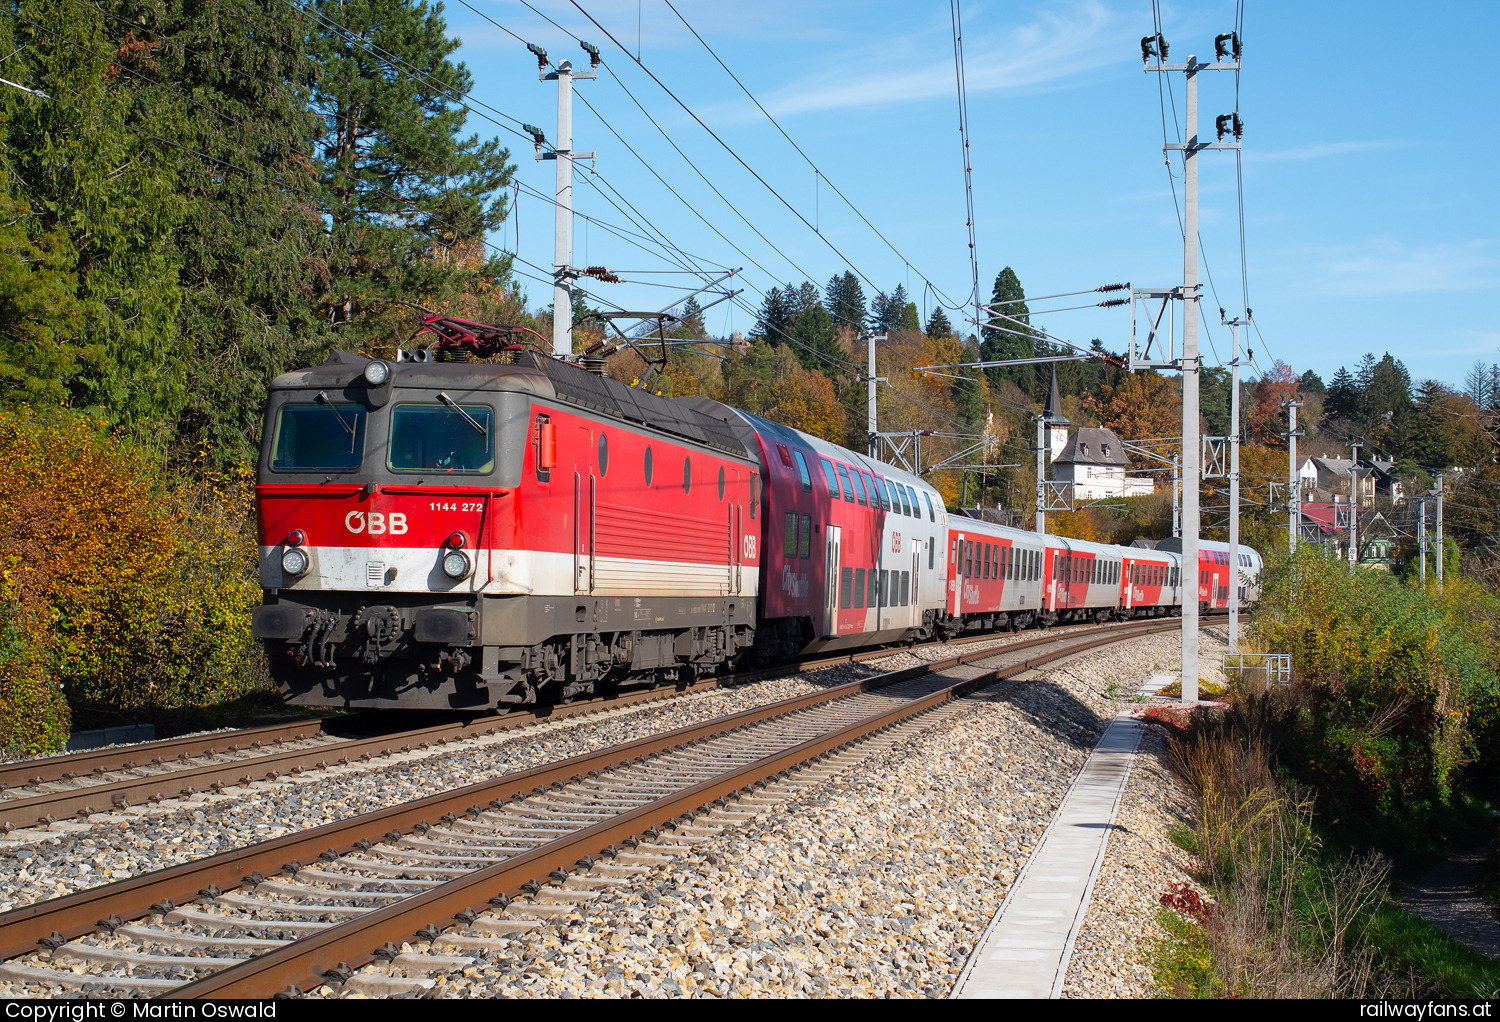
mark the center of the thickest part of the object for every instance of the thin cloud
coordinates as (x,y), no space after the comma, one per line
(1319,151)
(1386,267)
(1060,43)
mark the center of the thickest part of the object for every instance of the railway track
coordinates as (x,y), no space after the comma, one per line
(295,911)
(41,791)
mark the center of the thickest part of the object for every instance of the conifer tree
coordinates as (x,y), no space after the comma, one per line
(405,195)
(102,195)
(845,299)
(1001,344)
(938,326)
(773,322)
(250,243)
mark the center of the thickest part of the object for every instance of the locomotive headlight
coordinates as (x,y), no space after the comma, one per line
(377,372)
(294,561)
(456,564)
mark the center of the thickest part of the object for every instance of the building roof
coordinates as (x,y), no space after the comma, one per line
(1093,445)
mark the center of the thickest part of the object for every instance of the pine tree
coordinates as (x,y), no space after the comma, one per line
(911,320)
(1002,342)
(938,326)
(102,195)
(773,322)
(405,196)
(249,242)
(1344,400)
(879,312)
(845,300)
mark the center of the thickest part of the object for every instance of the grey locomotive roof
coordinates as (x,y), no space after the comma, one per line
(1086,447)
(544,377)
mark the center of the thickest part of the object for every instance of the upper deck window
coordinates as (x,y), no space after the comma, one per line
(848,487)
(442,438)
(802,472)
(830,477)
(321,437)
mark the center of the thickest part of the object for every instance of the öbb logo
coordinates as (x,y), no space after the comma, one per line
(376,523)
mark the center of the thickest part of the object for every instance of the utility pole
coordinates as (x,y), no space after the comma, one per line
(1294,500)
(1234,477)
(1156,46)
(563,271)
(1354,496)
(1422,542)
(1440,534)
(872,380)
(1041,473)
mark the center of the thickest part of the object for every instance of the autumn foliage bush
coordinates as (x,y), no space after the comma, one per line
(123,591)
(1392,685)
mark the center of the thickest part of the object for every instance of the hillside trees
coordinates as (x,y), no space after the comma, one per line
(251,243)
(101,201)
(402,191)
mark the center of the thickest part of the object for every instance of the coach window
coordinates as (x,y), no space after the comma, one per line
(603,455)
(789,541)
(848,486)
(859,588)
(721,482)
(754,493)
(807,535)
(687,475)
(830,478)
(802,472)
(931,552)
(968,558)
(859,487)
(905,588)
(846,587)
(872,581)
(931,514)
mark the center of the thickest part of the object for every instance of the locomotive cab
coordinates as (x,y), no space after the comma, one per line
(464,535)
(378,489)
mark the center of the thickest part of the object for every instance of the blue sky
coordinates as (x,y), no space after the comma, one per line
(1371,216)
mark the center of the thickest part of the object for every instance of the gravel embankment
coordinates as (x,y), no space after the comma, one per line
(877,883)
(40,863)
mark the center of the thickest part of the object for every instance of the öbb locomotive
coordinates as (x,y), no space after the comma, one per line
(467,535)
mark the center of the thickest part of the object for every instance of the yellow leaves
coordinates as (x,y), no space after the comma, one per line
(136,587)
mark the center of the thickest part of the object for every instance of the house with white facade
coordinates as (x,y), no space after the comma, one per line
(1094,461)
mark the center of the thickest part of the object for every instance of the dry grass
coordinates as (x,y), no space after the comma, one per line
(1286,923)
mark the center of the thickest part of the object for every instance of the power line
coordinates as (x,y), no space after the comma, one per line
(817,170)
(727,148)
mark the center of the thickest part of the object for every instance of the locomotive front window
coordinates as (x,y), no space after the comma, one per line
(442,438)
(322,437)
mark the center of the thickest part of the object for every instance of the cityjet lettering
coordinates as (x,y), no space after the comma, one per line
(376,523)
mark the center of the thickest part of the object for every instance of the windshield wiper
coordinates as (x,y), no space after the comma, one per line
(353,436)
(455,406)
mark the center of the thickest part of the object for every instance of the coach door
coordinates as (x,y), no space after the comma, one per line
(584,495)
(955,575)
(831,579)
(736,547)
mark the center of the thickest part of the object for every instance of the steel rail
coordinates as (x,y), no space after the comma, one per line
(80,913)
(24,773)
(351,944)
(87,799)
